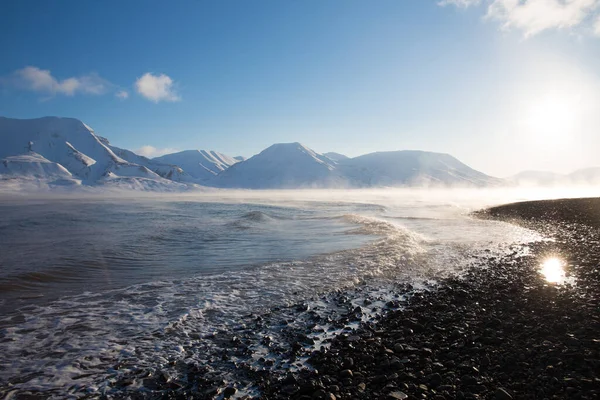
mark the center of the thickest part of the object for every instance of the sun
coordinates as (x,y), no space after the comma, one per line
(551,118)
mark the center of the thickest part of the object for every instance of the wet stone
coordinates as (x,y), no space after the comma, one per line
(229,391)
(346,373)
(397,395)
(434,379)
(290,389)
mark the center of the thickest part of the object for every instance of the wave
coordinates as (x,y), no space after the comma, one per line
(409,218)
(257,216)
(372,225)
(70,271)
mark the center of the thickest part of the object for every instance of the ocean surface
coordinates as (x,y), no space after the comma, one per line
(94,289)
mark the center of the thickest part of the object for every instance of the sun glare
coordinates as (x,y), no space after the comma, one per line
(553,270)
(552,117)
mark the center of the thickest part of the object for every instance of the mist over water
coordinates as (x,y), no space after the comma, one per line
(92,282)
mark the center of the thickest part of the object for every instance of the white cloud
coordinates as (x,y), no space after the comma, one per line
(535,16)
(122,94)
(41,80)
(151,151)
(156,87)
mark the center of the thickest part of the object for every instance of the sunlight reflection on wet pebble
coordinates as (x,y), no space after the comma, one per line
(553,270)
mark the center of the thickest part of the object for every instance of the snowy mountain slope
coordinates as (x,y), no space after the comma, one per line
(586,176)
(33,166)
(335,156)
(53,148)
(68,142)
(283,165)
(167,171)
(202,165)
(411,168)
(44,136)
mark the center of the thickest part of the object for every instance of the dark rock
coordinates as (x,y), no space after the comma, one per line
(348,362)
(434,379)
(468,380)
(290,389)
(346,373)
(229,391)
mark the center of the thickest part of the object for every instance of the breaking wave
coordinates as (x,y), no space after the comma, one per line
(257,216)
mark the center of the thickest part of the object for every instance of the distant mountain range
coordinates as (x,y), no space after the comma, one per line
(586,176)
(52,151)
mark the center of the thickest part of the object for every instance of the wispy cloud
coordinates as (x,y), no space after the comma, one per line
(151,151)
(41,80)
(122,94)
(156,87)
(535,16)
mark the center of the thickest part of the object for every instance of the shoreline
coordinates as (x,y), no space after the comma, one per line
(500,332)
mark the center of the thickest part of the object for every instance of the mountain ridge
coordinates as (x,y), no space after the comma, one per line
(59,151)
(202,165)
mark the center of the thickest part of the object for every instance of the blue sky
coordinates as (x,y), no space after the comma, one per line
(502,85)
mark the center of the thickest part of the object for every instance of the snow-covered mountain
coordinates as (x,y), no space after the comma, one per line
(411,168)
(200,164)
(283,165)
(64,151)
(55,150)
(293,165)
(586,176)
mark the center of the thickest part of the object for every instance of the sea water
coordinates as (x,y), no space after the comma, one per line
(87,284)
